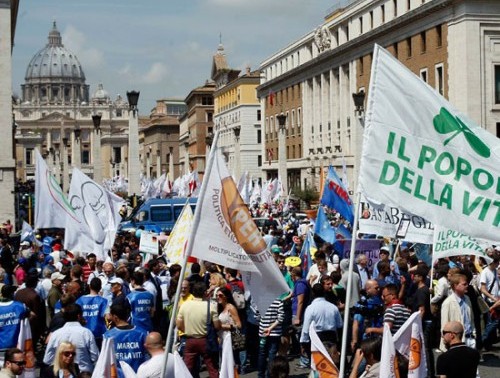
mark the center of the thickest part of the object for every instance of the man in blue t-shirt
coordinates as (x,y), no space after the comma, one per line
(129,340)
(142,303)
(11,314)
(94,308)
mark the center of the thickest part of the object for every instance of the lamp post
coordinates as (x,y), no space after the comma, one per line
(76,159)
(158,163)
(282,171)
(359,104)
(96,119)
(237,152)
(148,163)
(133,144)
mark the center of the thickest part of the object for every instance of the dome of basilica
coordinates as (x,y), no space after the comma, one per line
(54,61)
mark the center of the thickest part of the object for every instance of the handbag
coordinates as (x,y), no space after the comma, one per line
(238,339)
(483,306)
(212,342)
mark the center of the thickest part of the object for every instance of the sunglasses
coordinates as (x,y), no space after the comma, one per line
(69,354)
(220,295)
(18,363)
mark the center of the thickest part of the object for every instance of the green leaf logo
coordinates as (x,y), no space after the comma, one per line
(446,123)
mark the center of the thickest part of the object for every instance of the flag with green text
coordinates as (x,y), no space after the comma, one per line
(423,156)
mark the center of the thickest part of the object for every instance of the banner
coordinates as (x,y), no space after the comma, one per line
(385,221)
(148,242)
(51,205)
(453,243)
(225,233)
(368,247)
(176,242)
(422,156)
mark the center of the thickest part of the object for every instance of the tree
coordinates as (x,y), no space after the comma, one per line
(308,195)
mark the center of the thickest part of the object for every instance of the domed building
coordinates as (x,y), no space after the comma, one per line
(55,115)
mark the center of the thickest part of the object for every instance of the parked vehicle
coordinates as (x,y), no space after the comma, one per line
(156,214)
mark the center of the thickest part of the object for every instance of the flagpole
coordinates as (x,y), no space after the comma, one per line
(187,253)
(343,357)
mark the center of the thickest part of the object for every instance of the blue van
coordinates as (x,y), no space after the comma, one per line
(156,214)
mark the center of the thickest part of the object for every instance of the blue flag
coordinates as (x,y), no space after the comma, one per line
(305,253)
(336,197)
(323,228)
(342,234)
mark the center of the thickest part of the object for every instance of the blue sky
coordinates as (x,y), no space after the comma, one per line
(163,48)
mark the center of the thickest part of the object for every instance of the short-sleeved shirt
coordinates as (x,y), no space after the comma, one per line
(301,288)
(11,314)
(141,304)
(422,298)
(397,314)
(129,345)
(459,361)
(488,278)
(194,315)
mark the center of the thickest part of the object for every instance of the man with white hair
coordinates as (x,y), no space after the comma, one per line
(362,269)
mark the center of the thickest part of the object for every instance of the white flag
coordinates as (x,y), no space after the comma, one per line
(321,361)
(98,213)
(176,242)
(453,243)
(127,370)
(227,366)
(51,205)
(106,366)
(388,362)
(423,156)
(180,368)
(25,343)
(409,341)
(224,233)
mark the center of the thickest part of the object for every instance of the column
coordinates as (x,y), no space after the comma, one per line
(76,153)
(158,163)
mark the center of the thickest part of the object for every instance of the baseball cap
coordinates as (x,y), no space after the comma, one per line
(57,276)
(25,244)
(116,280)
(385,249)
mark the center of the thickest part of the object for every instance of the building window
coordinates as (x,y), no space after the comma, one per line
(382,11)
(361,68)
(440,79)
(259,116)
(29,156)
(424,74)
(408,47)
(497,84)
(85,157)
(408,3)
(371,19)
(259,160)
(396,50)
(361,25)
(498,129)
(259,136)
(395,7)
(117,155)
(210,117)
(439,35)
(423,43)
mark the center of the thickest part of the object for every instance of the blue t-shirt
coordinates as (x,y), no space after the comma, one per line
(301,287)
(141,303)
(129,345)
(11,314)
(94,307)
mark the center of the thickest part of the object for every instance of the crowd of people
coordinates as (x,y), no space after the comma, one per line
(74,302)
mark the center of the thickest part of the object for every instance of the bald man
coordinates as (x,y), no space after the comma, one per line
(460,361)
(152,367)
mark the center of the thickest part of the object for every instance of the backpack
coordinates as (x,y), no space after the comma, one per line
(238,295)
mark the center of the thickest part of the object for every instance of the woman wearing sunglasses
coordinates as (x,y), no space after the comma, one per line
(64,362)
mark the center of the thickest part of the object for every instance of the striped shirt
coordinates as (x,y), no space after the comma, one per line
(274,313)
(396,314)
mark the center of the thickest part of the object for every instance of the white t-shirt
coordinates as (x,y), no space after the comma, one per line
(487,278)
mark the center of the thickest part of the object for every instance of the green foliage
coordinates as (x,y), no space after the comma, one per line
(308,195)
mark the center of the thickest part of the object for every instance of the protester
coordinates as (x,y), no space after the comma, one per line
(64,361)
(270,332)
(14,363)
(370,350)
(459,361)
(192,320)
(11,314)
(152,368)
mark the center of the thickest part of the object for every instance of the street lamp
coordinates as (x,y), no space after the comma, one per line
(237,151)
(133,144)
(96,155)
(359,101)
(65,185)
(282,171)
